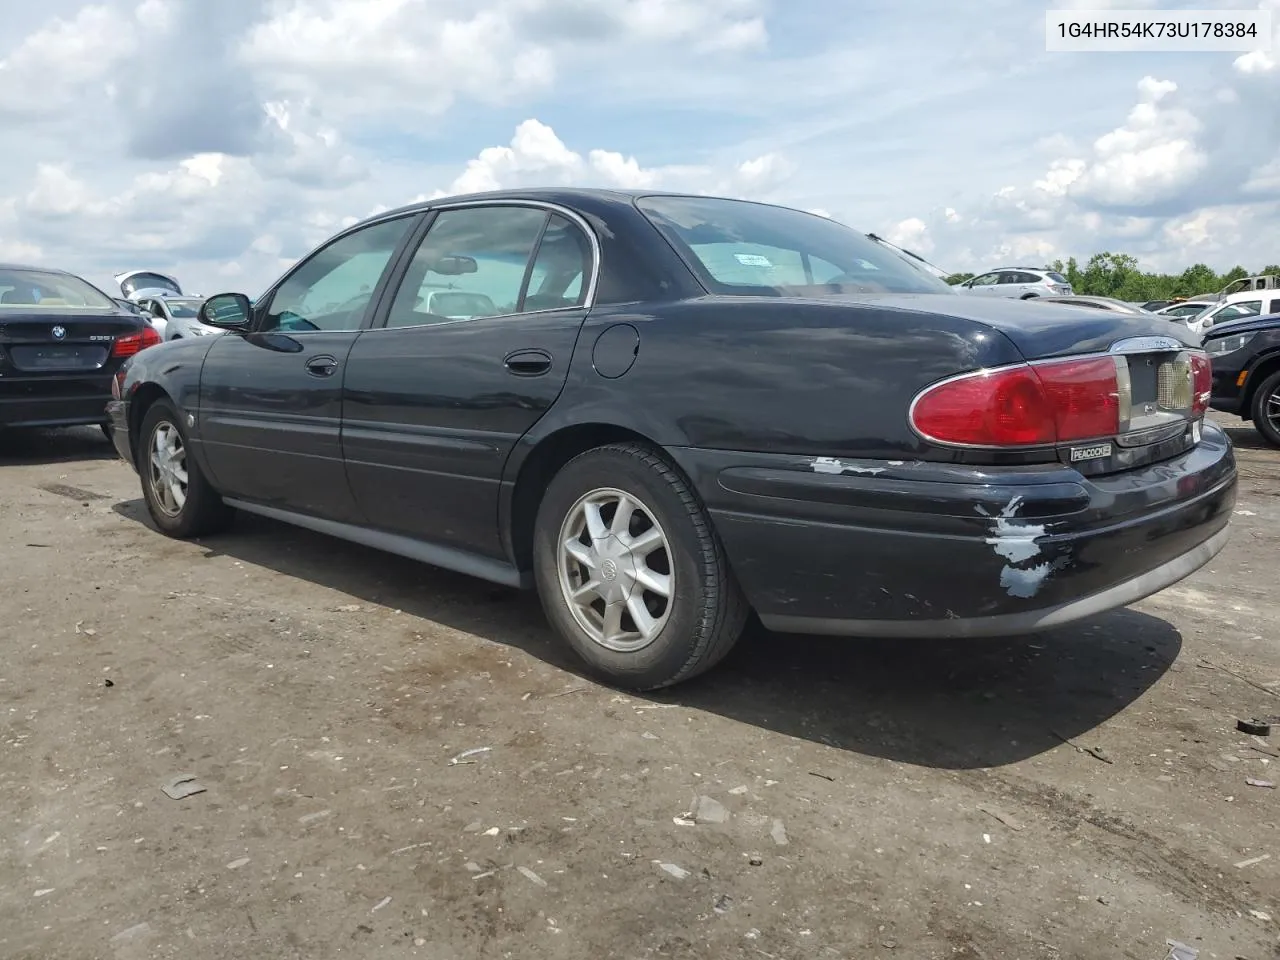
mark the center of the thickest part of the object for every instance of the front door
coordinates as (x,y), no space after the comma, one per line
(472,350)
(270,409)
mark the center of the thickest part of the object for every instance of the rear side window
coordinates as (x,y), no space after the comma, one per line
(1275,307)
(1056,277)
(753,249)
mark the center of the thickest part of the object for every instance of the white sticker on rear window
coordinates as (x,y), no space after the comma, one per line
(866,265)
(752,260)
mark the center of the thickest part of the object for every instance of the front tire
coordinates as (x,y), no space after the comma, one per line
(179,498)
(631,573)
(1266,409)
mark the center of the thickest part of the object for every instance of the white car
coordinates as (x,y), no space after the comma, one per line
(177,317)
(1019,283)
(1235,306)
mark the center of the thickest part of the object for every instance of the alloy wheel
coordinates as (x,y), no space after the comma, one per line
(168,469)
(615,570)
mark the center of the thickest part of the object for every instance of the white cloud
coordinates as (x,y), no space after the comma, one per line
(256,128)
(912,234)
(71,56)
(379,56)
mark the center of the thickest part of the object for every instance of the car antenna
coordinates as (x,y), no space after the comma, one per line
(914,256)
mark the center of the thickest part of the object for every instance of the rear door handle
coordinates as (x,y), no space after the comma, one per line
(528,363)
(322,366)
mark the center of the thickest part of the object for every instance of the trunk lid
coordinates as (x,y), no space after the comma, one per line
(1160,414)
(56,342)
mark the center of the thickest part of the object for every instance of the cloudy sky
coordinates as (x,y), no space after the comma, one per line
(222,139)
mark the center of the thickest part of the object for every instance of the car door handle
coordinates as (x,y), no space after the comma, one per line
(528,363)
(322,366)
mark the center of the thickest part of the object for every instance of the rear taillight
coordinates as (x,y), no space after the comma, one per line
(1201,384)
(1039,404)
(128,344)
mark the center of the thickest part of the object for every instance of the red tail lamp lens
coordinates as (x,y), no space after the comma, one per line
(1024,405)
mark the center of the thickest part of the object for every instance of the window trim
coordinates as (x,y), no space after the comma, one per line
(382,314)
(263,302)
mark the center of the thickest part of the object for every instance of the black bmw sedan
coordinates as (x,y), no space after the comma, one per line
(663,412)
(61,341)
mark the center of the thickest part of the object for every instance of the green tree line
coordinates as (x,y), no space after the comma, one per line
(1117,275)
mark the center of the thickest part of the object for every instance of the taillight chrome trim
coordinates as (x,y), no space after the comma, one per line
(1118,353)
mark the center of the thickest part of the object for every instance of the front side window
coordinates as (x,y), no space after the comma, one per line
(183,309)
(1235,311)
(471,263)
(44,290)
(331,289)
(741,248)
(986,280)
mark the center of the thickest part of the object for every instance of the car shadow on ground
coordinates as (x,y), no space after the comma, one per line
(1246,437)
(944,704)
(27,447)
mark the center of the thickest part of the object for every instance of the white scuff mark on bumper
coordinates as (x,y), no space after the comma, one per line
(1015,541)
(833,465)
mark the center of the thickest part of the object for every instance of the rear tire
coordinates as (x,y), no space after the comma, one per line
(179,498)
(1266,400)
(657,603)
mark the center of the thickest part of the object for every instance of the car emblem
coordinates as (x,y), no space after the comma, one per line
(59,332)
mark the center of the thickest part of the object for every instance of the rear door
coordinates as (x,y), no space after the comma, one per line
(271,400)
(468,355)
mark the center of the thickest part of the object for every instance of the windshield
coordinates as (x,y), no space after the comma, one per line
(148,281)
(183,309)
(752,249)
(41,289)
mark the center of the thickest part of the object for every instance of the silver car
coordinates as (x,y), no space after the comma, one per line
(177,317)
(1018,283)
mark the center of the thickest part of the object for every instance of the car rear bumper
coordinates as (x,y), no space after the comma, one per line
(913,549)
(54,401)
(118,417)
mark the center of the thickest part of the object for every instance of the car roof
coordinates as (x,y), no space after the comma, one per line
(571,197)
(25,266)
(1248,295)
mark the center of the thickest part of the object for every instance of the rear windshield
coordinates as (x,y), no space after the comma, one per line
(1056,277)
(40,289)
(753,249)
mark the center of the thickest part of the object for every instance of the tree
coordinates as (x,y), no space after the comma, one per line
(959,277)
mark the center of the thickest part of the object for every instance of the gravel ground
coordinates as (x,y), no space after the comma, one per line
(1080,794)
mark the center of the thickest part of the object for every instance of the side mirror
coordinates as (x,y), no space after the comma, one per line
(228,311)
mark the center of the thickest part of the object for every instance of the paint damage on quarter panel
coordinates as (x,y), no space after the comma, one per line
(836,466)
(1016,542)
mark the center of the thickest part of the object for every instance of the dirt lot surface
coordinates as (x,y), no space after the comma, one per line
(1081,794)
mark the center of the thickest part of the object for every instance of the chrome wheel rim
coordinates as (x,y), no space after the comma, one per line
(1272,411)
(168,469)
(616,575)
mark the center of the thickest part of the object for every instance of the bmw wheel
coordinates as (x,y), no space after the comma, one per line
(178,496)
(630,571)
